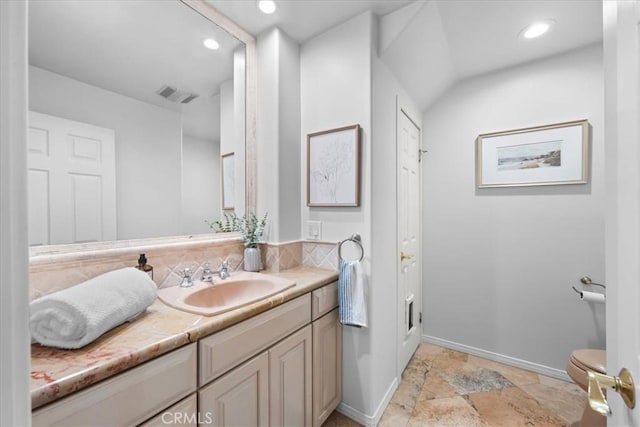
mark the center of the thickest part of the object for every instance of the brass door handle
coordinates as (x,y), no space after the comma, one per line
(622,384)
(404,256)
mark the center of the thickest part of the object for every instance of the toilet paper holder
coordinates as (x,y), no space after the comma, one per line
(589,296)
(587,281)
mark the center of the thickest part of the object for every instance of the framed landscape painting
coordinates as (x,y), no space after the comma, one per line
(542,155)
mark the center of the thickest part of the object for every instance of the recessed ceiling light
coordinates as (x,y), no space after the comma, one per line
(537,29)
(211,44)
(267,6)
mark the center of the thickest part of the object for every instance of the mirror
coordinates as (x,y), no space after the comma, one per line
(131,117)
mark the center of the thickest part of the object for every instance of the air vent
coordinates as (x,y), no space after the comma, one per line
(174,95)
(166,91)
(189,98)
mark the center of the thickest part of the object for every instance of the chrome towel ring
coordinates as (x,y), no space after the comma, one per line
(355,239)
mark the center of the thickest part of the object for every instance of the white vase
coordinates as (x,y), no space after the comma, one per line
(252,259)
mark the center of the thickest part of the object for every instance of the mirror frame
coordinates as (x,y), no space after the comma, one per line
(219,19)
(251,78)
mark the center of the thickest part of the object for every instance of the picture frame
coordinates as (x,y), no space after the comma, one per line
(333,167)
(554,154)
(228,181)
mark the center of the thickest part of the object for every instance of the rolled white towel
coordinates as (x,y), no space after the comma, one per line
(74,317)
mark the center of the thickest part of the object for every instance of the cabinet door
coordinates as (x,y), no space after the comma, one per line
(238,398)
(327,366)
(290,380)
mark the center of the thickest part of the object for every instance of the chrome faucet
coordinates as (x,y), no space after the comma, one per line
(224,270)
(187,282)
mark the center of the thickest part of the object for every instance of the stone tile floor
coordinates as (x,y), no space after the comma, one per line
(442,387)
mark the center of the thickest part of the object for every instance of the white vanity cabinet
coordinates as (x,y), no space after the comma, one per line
(274,386)
(294,381)
(271,389)
(281,367)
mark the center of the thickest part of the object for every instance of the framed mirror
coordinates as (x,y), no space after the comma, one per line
(132,109)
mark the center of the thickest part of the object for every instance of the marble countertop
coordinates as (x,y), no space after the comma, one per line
(56,373)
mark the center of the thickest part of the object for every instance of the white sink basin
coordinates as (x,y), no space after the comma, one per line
(208,299)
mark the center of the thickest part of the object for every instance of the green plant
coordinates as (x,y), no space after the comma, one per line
(251,228)
(231,223)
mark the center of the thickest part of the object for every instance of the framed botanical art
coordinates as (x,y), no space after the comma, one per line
(542,155)
(333,167)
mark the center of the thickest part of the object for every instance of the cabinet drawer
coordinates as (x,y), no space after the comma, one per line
(225,349)
(128,398)
(324,300)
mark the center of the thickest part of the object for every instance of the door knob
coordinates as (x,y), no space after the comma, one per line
(622,384)
(404,256)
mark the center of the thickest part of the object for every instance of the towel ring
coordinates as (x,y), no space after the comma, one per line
(355,239)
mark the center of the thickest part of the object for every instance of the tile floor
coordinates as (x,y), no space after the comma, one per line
(442,387)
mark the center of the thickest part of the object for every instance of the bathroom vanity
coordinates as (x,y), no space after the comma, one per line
(275,362)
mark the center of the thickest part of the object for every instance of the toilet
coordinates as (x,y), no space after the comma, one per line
(577,366)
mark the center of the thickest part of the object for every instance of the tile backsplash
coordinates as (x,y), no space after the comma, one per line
(320,254)
(52,270)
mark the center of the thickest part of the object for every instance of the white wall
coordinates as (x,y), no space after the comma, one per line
(148,149)
(386,91)
(336,87)
(278,130)
(200,184)
(290,141)
(499,263)
(335,75)
(388,96)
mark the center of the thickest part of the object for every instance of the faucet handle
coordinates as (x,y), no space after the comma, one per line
(186,278)
(225,264)
(207,273)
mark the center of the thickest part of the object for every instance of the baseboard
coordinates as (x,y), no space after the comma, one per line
(369,420)
(496,357)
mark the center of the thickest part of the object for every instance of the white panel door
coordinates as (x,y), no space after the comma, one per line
(71,181)
(409,272)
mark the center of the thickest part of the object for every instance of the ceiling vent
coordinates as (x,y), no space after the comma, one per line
(174,95)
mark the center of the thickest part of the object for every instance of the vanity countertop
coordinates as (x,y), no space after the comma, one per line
(56,373)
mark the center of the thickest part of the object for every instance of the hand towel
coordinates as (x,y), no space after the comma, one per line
(76,316)
(351,294)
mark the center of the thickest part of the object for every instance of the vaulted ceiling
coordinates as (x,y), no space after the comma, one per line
(431,45)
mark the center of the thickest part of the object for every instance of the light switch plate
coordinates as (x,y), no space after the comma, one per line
(314,230)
